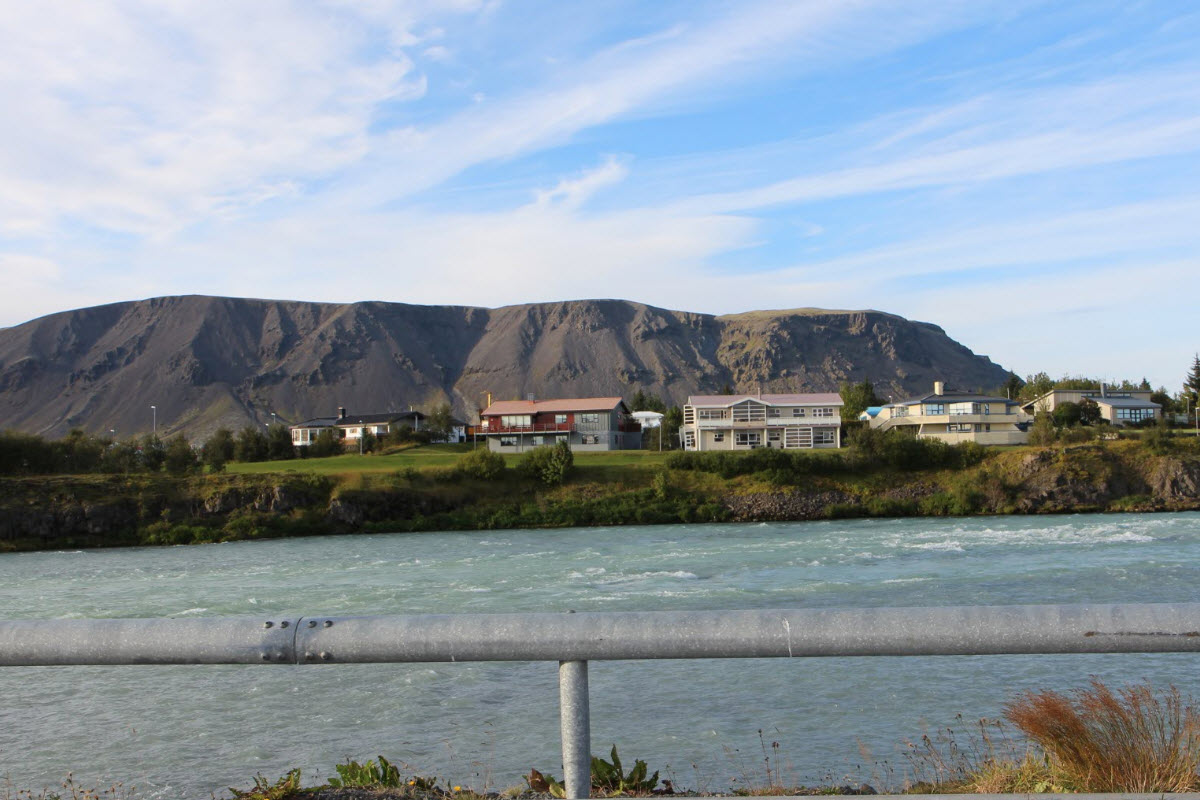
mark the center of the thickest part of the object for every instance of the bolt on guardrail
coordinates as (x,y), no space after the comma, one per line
(574,639)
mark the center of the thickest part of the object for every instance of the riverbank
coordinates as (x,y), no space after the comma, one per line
(55,512)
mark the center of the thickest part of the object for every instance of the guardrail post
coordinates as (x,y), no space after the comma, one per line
(575,718)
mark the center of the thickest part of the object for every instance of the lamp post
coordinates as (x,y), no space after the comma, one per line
(272,418)
(361,434)
(154,420)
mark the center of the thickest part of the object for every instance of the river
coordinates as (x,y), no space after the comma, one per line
(184,732)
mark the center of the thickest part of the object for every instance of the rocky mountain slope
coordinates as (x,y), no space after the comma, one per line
(211,361)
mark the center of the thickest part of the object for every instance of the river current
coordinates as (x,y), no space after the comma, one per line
(185,732)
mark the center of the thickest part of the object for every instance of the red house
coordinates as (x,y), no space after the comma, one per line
(586,424)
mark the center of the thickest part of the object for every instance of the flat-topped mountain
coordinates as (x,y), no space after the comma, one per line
(204,362)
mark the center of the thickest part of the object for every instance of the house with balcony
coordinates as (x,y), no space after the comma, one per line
(1118,406)
(747,421)
(586,424)
(954,416)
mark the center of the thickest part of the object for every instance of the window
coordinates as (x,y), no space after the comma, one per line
(935,409)
(589,419)
(1135,414)
(560,419)
(797,412)
(710,413)
(538,441)
(822,412)
(718,436)
(773,412)
(508,441)
(590,439)
(689,440)
(773,436)
(747,438)
(824,436)
(900,411)
(515,420)
(961,427)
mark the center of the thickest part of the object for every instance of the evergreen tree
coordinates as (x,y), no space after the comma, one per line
(1191,384)
(251,445)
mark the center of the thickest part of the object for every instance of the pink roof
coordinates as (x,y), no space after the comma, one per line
(818,398)
(579,404)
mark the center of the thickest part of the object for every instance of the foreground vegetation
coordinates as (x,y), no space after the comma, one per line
(1094,739)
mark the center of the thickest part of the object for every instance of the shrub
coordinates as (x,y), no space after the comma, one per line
(481,463)
(551,464)
(1042,432)
(1130,740)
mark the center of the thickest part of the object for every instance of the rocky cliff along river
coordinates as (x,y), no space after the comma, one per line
(183,732)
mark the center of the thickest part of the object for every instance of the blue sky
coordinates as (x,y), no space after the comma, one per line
(1023,174)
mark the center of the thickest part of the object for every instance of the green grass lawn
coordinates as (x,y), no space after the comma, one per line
(432,455)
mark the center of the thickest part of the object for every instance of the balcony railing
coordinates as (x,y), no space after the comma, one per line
(537,427)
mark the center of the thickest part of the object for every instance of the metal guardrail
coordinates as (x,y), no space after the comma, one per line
(574,639)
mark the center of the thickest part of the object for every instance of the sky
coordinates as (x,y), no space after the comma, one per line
(1023,174)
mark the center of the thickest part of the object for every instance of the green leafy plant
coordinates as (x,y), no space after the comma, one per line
(352,773)
(265,790)
(610,777)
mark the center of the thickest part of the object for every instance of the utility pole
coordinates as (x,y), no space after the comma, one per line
(362,432)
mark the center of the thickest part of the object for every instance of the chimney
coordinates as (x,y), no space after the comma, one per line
(341,413)
(1102,391)
(939,388)
(489,399)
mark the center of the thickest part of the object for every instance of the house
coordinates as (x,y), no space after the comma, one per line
(1118,406)
(955,416)
(351,426)
(746,421)
(585,423)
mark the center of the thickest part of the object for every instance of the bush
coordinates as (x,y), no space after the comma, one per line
(551,464)
(1042,433)
(1131,740)
(481,463)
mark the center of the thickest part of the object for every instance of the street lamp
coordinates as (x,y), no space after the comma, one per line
(154,420)
(272,417)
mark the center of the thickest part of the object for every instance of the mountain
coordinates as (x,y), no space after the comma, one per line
(204,362)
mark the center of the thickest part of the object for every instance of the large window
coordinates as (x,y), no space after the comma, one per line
(747,438)
(589,419)
(797,412)
(824,436)
(822,412)
(710,413)
(515,420)
(935,409)
(508,441)
(960,427)
(1135,414)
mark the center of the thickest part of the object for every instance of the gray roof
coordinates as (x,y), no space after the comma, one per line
(955,397)
(1124,402)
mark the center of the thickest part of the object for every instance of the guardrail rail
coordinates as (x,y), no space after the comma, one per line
(574,639)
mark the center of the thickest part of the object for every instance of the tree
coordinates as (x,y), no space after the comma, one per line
(327,443)
(1067,414)
(1035,386)
(1011,388)
(180,458)
(1165,400)
(647,402)
(669,429)
(152,452)
(251,445)
(1191,384)
(1042,432)
(218,450)
(481,463)
(1089,412)
(279,443)
(857,398)
(440,422)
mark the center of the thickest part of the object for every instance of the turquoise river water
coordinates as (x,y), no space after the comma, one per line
(185,732)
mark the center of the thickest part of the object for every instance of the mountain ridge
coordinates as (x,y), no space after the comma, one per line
(206,361)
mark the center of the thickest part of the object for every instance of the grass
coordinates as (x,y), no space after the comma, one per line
(432,455)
